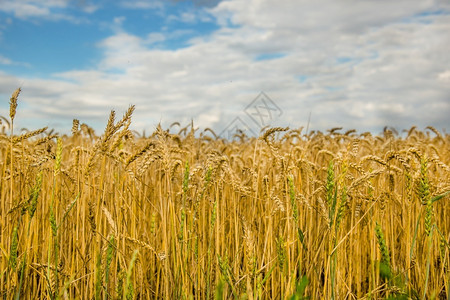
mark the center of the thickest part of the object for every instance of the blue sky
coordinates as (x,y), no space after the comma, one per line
(354,64)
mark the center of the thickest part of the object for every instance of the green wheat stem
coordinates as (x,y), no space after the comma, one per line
(183,205)
(129,285)
(98,276)
(385,265)
(208,271)
(110,252)
(427,274)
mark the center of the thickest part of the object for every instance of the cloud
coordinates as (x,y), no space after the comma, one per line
(25,9)
(364,65)
(9,62)
(5,60)
(86,6)
(142,4)
(185,17)
(200,3)
(191,16)
(155,37)
(444,76)
(50,10)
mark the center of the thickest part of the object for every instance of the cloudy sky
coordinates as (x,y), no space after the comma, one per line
(328,63)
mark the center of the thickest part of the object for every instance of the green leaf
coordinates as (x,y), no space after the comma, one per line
(439,197)
(301,237)
(300,288)
(385,270)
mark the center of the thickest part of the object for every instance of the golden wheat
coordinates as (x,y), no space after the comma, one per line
(188,216)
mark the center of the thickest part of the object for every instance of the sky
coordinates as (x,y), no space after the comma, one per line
(227,65)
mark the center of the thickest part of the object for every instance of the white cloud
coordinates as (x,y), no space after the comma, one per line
(191,16)
(5,60)
(8,84)
(89,8)
(444,76)
(155,37)
(363,65)
(51,10)
(142,4)
(25,9)
(9,62)
(186,17)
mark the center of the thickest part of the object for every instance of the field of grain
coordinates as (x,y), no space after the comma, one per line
(183,214)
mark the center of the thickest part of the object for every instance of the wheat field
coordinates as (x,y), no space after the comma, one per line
(183,214)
